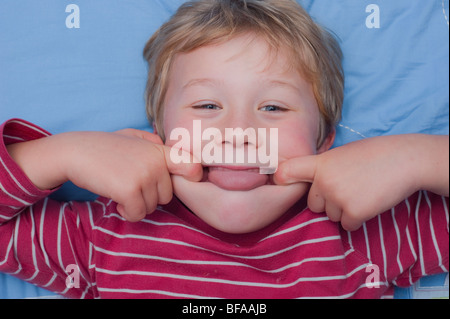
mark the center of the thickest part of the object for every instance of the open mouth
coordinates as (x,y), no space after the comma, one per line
(236,178)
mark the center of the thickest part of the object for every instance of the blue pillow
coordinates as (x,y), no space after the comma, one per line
(396,60)
(93,77)
(68,74)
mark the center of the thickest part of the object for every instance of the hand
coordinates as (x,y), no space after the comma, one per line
(360,180)
(131,167)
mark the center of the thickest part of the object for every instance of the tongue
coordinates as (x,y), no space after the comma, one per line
(235,179)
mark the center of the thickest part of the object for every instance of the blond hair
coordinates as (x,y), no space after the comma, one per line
(282,23)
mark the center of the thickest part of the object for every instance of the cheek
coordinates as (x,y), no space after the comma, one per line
(297,142)
(180,128)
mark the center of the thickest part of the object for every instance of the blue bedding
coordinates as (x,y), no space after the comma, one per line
(77,65)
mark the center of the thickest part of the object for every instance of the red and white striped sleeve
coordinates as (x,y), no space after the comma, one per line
(409,242)
(39,237)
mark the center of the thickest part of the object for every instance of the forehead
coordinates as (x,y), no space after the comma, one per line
(245,53)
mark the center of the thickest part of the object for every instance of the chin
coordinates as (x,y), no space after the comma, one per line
(237,212)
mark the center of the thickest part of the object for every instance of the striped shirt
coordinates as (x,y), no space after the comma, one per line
(87,250)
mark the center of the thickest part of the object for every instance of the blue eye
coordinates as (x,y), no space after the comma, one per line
(207,107)
(273,108)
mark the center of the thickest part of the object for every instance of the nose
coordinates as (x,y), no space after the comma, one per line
(239,137)
(239,130)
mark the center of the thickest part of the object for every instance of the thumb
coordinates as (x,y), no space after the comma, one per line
(182,163)
(297,170)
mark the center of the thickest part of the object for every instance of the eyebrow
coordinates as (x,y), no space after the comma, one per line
(280,83)
(202,82)
(217,83)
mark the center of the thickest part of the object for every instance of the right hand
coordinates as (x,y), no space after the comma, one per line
(131,167)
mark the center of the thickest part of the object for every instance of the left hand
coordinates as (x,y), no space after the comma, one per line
(360,180)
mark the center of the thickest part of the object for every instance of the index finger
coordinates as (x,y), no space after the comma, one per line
(297,170)
(182,163)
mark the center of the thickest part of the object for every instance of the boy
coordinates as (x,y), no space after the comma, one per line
(230,232)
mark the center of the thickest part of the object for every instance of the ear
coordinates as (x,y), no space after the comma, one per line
(328,143)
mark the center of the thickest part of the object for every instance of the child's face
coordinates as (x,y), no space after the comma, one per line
(241,84)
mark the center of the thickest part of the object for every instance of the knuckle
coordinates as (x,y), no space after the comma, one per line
(129,190)
(150,209)
(283,174)
(351,212)
(193,170)
(315,204)
(165,198)
(137,218)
